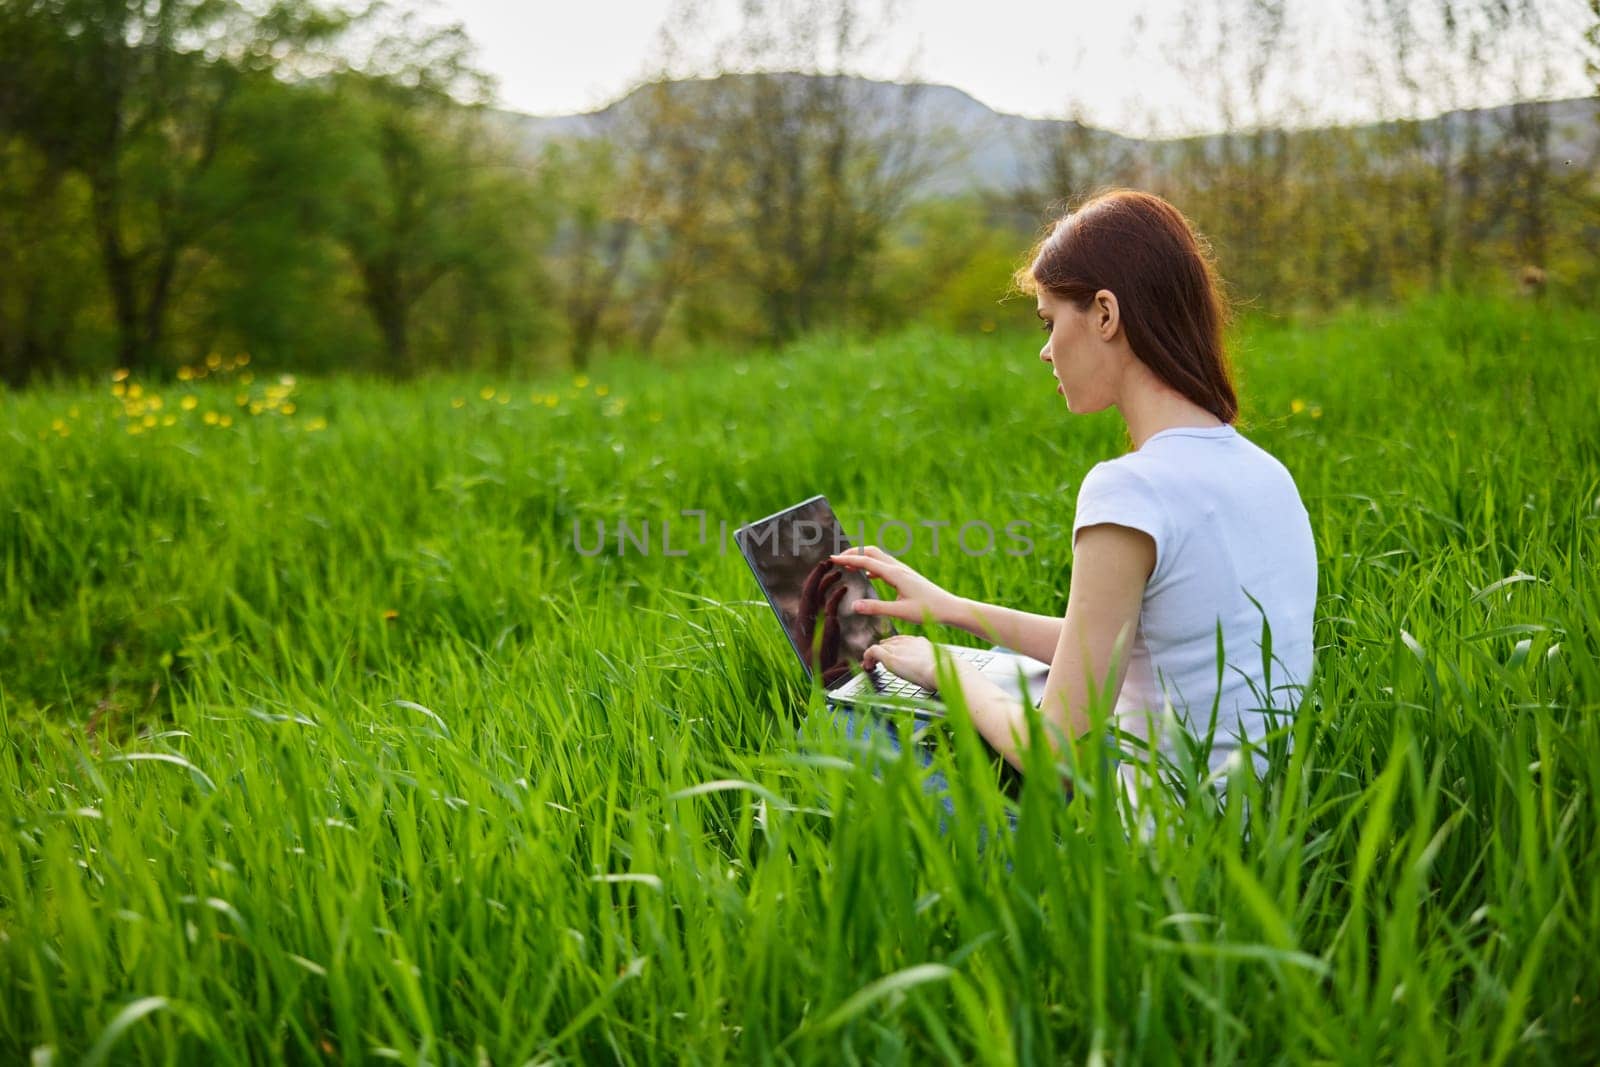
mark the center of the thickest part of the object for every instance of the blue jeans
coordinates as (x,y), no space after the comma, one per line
(869,726)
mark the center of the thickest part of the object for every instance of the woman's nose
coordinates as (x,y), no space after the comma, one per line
(1044,353)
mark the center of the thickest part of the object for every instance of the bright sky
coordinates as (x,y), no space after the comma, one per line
(1139,69)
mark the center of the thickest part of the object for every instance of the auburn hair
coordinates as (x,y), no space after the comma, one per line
(1169,295)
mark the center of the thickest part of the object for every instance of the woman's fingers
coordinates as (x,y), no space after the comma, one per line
(876,568)
(862,555)
(894,609)
(884,653)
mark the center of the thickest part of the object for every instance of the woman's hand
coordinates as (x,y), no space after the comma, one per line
(905,657)
(917,599)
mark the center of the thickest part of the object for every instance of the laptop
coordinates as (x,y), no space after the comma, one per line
(813,597)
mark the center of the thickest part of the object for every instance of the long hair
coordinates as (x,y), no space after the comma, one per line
(1168,292)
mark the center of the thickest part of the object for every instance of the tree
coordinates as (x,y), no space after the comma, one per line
(813,164)
(138,98)
(1070,160)
(591,244)
(683,225)
(46,268)
(427,193)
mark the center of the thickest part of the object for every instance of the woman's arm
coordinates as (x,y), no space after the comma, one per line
(920,601)
(1111,566)
(1032,635)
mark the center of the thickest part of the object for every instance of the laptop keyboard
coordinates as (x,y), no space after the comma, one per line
(891,685)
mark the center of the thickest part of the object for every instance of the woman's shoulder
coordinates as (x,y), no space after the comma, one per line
(1184,479)
(1187,458)
(1131,471)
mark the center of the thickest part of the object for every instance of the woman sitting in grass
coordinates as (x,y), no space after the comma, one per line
(1184,542)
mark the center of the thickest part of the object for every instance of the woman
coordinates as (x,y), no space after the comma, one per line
(1196,530)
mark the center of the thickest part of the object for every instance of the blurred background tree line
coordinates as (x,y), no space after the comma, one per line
(328,188)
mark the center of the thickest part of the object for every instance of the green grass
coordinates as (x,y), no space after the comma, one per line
(328,744)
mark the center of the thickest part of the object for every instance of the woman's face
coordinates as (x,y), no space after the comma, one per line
(1085,365)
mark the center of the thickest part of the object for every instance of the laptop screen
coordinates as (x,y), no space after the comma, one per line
(789,554)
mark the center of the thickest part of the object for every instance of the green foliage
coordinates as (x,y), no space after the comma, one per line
(423,202)
(181,177)
(325,190)
(948,265)
(320,739)
(145,103)
(44,258)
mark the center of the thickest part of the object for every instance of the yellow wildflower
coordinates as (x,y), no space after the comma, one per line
(1316,411)
(134,427)
(458,402)
(72,412)
(318,423)
(244,359)
(1297,406)
(119,390)
(601,390)
(505,398)
(242,399)
(135,390)
(247,377)
(185,374)
(288,409)
(213,361)
(286,379)
(149,420)
(155,403)
(169,420)
(487,392)
(255,409)
(551,400)
(209,418)
(581,381)
(390,615)
(226,420)
(189,403)
(120,374)
(58,425)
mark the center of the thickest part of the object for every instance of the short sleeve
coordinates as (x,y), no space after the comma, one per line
(1113,492)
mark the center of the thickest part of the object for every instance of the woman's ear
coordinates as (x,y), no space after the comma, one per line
(1108,316)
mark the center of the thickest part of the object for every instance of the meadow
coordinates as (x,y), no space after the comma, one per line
(327,735)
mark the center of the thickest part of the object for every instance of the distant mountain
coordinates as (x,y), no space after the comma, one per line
(1000,152)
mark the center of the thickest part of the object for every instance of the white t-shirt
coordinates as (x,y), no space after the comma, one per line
(1229,525)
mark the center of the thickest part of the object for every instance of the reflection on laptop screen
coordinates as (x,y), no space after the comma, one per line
(789,555)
